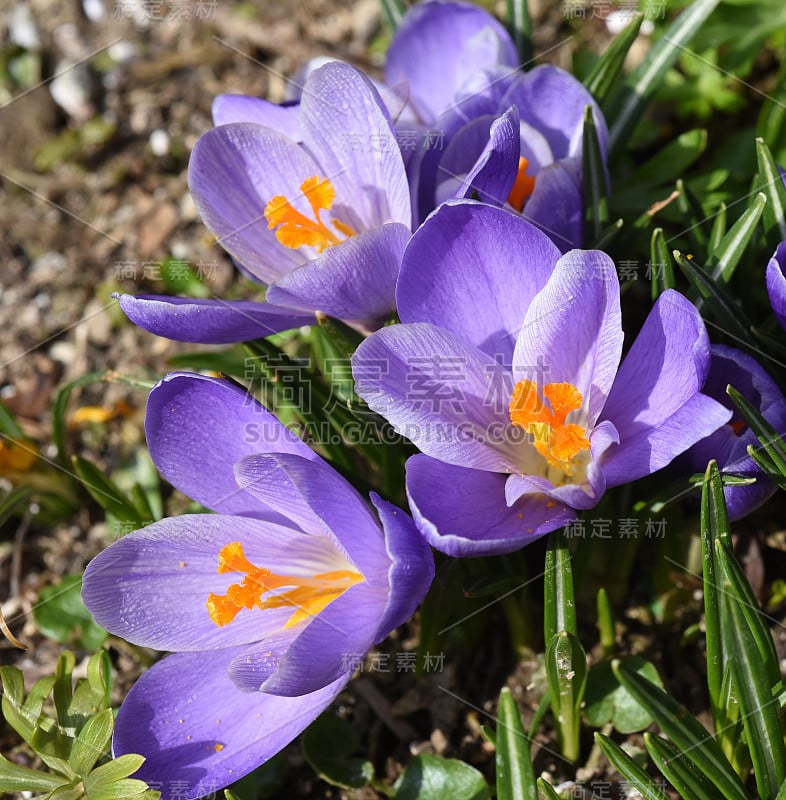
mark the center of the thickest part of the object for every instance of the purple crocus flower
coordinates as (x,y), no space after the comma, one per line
(729,444)
(487,130)
(266,604)
(776,283)
(311,200)
(506,375)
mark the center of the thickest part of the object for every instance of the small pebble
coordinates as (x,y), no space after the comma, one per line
(159,142)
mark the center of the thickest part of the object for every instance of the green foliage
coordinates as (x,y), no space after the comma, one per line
(432,778)
(68,725)
(328,745)
(61,615)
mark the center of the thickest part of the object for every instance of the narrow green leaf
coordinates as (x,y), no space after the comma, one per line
(119,790)
(724,258)
(60,408)
(429,777)
(520,27)
(771,184)
(661,266)
(770,440)
(559,602)
(596,201)
(769,125)
(8,424)
(92,742)
(714,527)
(606,629)
(99,675)
(729,569)
(15,499)
(630,103)
(678,770)
(63,688)
(753,683)
(566,672)
(728,314)
(394,12)
(15,778)
(547,790)
(687,734)
(629,769)
(672,161)
(781,792)
(609,66)
(105,492)
(13,685)
(515,773)
(115,770)
(609,234)
(718,230)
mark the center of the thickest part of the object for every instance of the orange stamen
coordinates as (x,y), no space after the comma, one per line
(557,441)
(738,427)
(523,186)
(296,229)
(308,595)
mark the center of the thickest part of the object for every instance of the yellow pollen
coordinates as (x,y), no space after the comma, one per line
(523,186)
(308,596)
(296,229)
(557,441)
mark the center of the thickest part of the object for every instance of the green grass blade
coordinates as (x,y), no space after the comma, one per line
(393,11)
(771,184)
(686,732)
(770,440)
(596,201)
(679,772)
(630,103)
(566,672)
(760,712)
(629,769)
(520,27)
(60,406)
(718,229)
(547,790)
(662,269)
(714,527)
(724,258)
(728,314)
(604,74)
(559,602)
(515,774)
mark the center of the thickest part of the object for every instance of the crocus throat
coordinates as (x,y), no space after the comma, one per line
(523,186)
(296,229)
(308,596)
(557,441)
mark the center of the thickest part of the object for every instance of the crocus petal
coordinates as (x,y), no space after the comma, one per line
(285,119)
(411,566)
(151,587)
(198,427)
(556,204)
(256,664)
(553,102)
(776,283)
(473,270)
(203,321)
(339,635)
(462,512)
(438,47)
(198,731)
(492,176)
(354,281)
(320,501)
(655,402)
(348,130)
(572,331)
(438,392)
(234,171)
